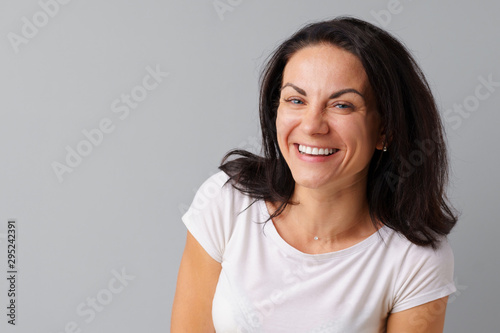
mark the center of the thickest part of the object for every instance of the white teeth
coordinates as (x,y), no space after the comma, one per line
(316,151)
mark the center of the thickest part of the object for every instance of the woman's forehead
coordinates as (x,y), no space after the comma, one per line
(325,66)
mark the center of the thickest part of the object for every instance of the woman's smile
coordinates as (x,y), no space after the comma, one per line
(308,150)
(314,154)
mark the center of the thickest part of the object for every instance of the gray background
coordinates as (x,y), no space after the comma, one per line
(120,208)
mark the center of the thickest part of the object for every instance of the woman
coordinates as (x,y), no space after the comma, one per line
(341,226)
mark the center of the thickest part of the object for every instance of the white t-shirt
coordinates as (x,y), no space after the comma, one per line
(266,285)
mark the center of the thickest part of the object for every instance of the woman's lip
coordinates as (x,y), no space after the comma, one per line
(315,150)
(313,146)
(313,158)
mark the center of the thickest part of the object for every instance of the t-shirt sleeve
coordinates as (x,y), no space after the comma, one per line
(426,275)
(208,218)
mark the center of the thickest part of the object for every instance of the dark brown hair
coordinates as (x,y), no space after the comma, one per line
(406,184)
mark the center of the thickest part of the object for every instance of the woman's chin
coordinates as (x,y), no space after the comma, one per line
(312,182)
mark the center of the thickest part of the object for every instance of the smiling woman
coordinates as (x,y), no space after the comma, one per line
(324,232)
(322,106)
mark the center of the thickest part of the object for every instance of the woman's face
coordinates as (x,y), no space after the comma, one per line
(327,124)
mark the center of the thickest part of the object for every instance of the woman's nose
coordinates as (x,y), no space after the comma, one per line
(314,121)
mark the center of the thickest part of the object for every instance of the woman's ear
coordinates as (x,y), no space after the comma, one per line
(382,140)
(381,143)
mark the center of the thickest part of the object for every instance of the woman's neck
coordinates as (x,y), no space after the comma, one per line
(326,220)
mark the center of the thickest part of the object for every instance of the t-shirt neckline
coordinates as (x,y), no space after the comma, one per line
(271,232)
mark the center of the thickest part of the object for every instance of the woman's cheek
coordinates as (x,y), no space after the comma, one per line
(287,119)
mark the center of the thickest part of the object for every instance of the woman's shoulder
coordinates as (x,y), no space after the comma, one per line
(212,216)
(217,190)
(411,258)
(398,244)
(423,273)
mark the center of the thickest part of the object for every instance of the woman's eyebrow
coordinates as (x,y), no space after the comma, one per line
(299,90)
(345,91)
(334,95)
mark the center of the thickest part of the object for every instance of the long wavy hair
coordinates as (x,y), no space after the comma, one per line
(406,184)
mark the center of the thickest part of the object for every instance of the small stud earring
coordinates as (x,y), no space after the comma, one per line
(385,148)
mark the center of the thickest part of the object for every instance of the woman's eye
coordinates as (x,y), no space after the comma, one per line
(342,106)
(294,101)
